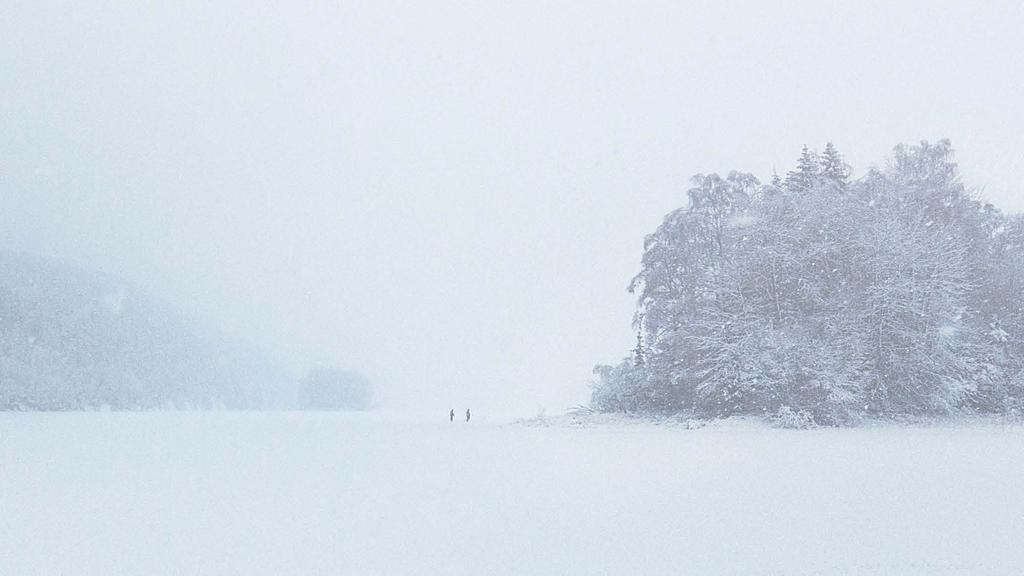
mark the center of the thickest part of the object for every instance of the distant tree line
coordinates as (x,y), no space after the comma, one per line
(895,294)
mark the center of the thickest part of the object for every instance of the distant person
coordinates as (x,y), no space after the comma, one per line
(451,415)
(467,414)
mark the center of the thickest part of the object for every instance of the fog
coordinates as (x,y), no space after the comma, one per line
(452,198)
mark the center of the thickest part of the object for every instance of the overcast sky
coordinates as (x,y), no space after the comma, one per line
(452,197)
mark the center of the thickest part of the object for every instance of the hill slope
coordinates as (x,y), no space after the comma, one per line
(72,338)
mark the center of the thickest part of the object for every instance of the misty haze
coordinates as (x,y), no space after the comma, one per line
(530,288)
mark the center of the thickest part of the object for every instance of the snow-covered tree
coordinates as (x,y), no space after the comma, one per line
(833,166)
(807,172)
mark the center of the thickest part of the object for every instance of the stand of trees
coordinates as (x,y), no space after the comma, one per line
(896,294)
(333,389)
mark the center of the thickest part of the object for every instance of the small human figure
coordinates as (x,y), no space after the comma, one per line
(467,414)
(451,415)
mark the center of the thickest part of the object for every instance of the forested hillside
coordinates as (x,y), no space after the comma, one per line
(827,299)
(74,339)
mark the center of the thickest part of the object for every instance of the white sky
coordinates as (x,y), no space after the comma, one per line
(451,197)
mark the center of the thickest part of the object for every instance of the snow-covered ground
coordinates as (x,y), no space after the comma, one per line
(291,493)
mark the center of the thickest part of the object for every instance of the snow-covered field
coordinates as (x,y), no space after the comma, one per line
(291,493)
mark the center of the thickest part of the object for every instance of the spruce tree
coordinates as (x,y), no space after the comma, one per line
(833,167)
(806,173)
(638,352)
